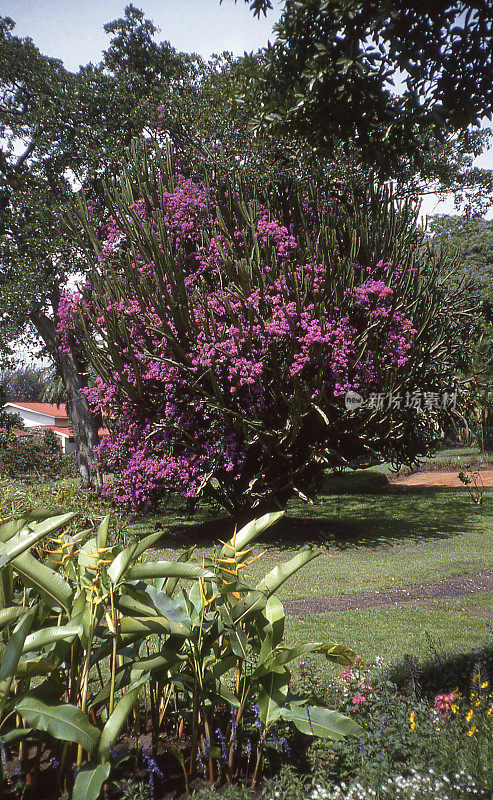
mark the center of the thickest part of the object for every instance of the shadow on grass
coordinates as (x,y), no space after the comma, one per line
(469,672)
(382,515)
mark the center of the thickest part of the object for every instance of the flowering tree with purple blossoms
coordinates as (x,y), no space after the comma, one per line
(224,327)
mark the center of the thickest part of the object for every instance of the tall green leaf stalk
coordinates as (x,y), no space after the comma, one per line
(87,628)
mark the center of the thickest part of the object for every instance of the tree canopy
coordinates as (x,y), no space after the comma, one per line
(332,69)
(59,131)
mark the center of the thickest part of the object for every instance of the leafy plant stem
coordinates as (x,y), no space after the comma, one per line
(85,676)
(113,654)
(257,767)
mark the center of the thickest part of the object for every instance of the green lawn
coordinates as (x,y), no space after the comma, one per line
(370,536)
(377,540)
(391,634)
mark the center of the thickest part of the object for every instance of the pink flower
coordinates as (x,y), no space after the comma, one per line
(443,704)
(358,699)
(263,346)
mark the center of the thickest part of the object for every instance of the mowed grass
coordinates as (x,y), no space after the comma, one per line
(370,536)
(392,633)
(366,541)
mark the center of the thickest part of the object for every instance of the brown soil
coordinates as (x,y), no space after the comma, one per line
(449,479)
(418,594)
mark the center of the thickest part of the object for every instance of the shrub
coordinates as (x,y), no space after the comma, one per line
(39,457)
(224,329)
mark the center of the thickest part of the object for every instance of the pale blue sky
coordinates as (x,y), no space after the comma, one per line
(73,29)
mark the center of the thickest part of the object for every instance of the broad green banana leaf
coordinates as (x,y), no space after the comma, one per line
(249,533)
(64,722)
(89,781)
(168,569)
(115,723)
(12,654)
(322,722)
(123,560)
(50,585)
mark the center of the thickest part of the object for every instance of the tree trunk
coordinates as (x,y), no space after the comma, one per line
(84,423)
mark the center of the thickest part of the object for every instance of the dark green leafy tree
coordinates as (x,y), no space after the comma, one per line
(60,130)
(210,124)
(332,70)
(23,384)
(467,248)
(210,128)
(469,242)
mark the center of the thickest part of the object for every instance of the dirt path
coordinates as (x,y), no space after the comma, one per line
(418,594)
(436,478)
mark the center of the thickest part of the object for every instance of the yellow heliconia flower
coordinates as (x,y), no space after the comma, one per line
(472,731)
(412,720)
(202,592)
(469,715)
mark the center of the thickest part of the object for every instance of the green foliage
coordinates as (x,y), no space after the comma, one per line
(24,384)
(330,74)
(10,421)
(467,246)
(466,243)
(288,783)
(219,645)
(19,497)
(132,789)
(23,457)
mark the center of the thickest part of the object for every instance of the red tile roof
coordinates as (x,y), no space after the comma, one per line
(62,431)
(69,432)
(50,409)
(19,432)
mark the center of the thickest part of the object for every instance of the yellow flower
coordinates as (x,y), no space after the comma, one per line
(478,703)
(412,718)
(475,677)
(469,715)
(489,713)
(454,708)
(472,731)
(484,685)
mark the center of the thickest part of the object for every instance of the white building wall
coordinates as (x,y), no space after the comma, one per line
(34,418)
(67,445)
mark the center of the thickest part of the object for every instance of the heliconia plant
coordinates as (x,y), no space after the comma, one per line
(211,659)
(224,325)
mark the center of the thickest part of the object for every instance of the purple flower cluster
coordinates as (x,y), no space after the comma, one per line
(284,340)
